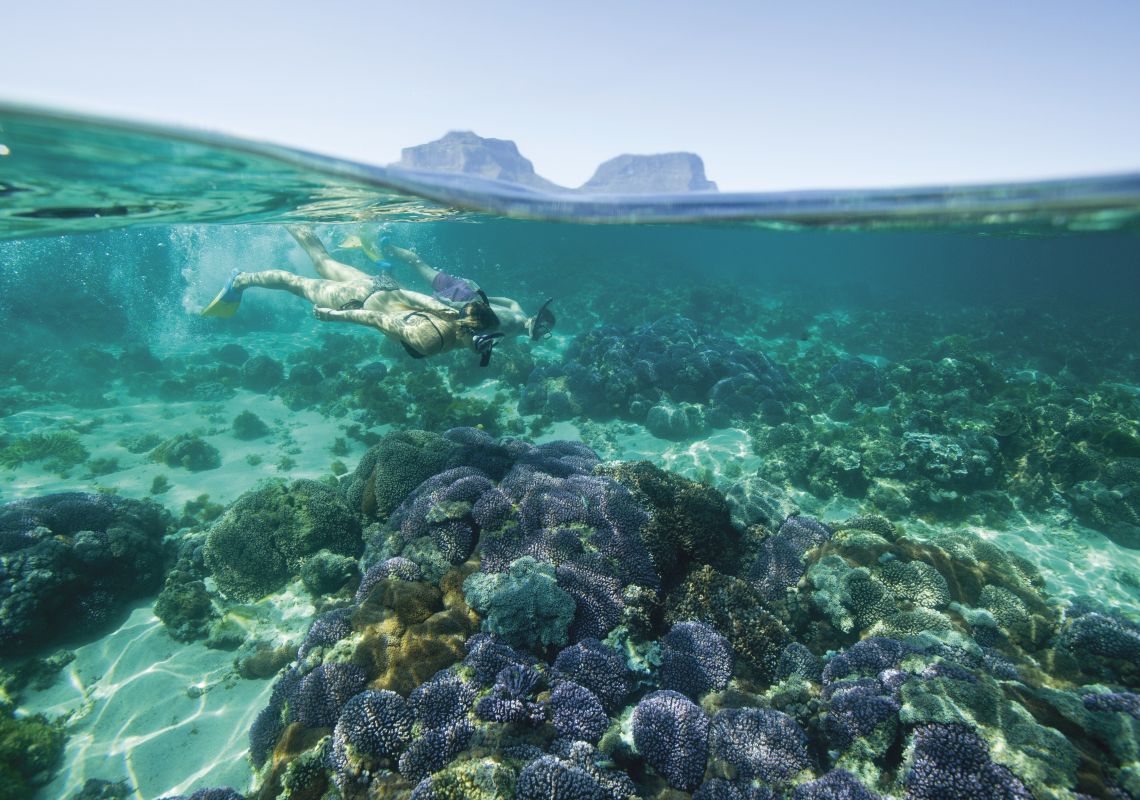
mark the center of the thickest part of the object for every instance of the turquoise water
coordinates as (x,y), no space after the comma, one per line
(888,532)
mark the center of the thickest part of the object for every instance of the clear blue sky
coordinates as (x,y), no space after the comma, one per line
(772,96)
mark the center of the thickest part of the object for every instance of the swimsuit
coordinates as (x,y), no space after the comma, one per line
(418,332)
(450,289)
(384,282)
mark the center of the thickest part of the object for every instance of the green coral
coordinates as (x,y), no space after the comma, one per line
(911,623)
(1097,733)
(189,452)
(525,606)
(395,466)
(690,522)
(1039,755)
(248,426)
(916,582)
(30,750)
(142,443)
(185,608)
(851,598)
(326,572)
(481,779)
(735,609)
(60,451)
(262,539)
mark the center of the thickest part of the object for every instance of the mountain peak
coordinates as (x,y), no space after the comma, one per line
(468,153)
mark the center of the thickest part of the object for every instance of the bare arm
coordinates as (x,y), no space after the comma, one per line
(359,316)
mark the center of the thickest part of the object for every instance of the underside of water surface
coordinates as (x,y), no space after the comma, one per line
(805,495)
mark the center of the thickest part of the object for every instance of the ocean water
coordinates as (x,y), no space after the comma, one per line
(826,494)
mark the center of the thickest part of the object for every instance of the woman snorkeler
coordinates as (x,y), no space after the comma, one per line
(458,315)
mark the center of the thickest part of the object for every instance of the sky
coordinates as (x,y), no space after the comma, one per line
(771,95)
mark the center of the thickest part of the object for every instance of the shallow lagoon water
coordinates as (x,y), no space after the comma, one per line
(948,381)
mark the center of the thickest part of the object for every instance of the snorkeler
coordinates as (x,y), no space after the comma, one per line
(457,292)
(424,325)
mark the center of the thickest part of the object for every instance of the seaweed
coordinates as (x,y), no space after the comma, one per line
(60,450)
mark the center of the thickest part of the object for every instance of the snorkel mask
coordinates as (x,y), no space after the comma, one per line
(485,343)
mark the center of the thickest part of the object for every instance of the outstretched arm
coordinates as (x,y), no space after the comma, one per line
(359,316)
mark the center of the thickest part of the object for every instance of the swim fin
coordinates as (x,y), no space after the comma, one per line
(543,322)
(226,304)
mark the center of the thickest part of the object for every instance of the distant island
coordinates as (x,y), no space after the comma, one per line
(499,159)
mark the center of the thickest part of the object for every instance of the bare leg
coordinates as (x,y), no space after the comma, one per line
(327,266)
(327,293)
(426,271)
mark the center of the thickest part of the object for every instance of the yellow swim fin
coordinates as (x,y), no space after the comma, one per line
(371,250)
(351,243)
(226,304)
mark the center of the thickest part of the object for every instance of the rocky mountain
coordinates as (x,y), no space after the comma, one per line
(499,159)
(667,172)
(470,154)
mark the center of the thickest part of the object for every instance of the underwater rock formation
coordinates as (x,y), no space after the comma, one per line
(70,563)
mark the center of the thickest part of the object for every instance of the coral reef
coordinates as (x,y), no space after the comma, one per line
(668,372)
(832,660)
(263,539)
(188,451)
(70,563)
(30,750)
(672,733)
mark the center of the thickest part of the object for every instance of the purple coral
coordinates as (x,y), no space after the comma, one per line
(695,659)
(434,749)
(855,709)
(487,655)
(1114,703)
(1103,635)
(442,701)
(598,603)
(551,778)
(270,723)
(327,629)
(869,656)
(839,784)
(600,669)
(398,567)
(441,507)
(577,713)
(758,743)
(780,563)
(322,694)
(509,700)
(951,762)
(375,724)
(212,793)
(720,789)
(672,733)
(797,660)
